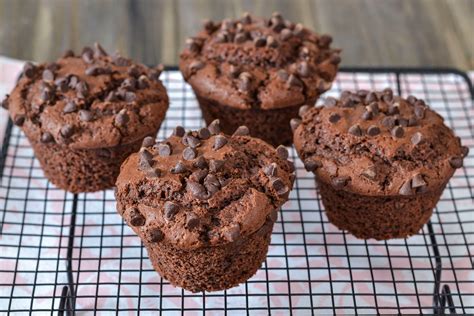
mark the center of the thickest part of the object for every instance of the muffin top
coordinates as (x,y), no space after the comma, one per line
(203,188)
(375,143)
(259,63)
(89,101)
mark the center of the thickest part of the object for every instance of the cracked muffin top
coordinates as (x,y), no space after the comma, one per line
(375,143)
(259,63)
(203,188)
(89,101)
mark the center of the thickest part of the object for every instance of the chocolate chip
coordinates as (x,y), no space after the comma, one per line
(240,38)
(298,30)
(279,186)
(282,152)
(180,167)
(93,71)
(70,107)
(219,142)
(136,218)
(5,102)
(189,153)
(334,118)
(178,131)
(282,75)
(246,18)
(324,41)
(303,109)
(347,103)
(234,71)
(294,81)
(29,70)
(420,111)
(222,37)
(215,165)
(311,165)
(241,131)
(388,122)
(369,173)
(373,130)
(85,115)
(45,95)
(170,210)
(120,61)
(402,122)
(335,59)
(193,45)
(200,163)
(208,25)
(355,130)
(411,99)
(465,151)
(417,138)
(412,121)
(198,175)
(456,162)
(232,233)
(111,97)
(244,81)
(294,123)
(394,109)
(121,118)
(273,216)
(148,141)
(82,90)
(153,172)
(367,115)
(156,235)
(398,132)
(272,42)
(406,189)
(88,55)
(330,101)
(371,97)
(197,190)
(191,141)
(62,84)
(145,159)
(285,34)
(418,181)
(46,137)
(129,84)
(260,41)
(340,182)
(271,169)
(192,221)
(196,65)
(67,53)
(48,75)
(73,80)
(19,119)
(214,127)
(212,183)
(204,133)
(143,82)
(164,150)
(99,51)
(67,130)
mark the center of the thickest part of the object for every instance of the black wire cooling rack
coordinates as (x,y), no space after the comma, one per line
(64,253)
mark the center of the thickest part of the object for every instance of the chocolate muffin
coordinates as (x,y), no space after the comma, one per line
(204,204)
(85,114)
(258,72)
(381,162)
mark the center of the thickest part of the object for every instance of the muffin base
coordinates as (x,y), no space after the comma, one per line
(377,217)
(212,268)
(273,126)
(82,170)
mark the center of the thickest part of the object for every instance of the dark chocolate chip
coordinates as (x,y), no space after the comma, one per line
(192,221)
(311,165)
(136,218)
(330,101)
(170,210)
(417,138)
(241,131)
(120,61)
(180,167)
(178,131)
(232,233)
(148,141)
(369,173)
(355,130)
(189,153)
(244,81)
(164,149)
(279,186)
(70,107)
(45,95)
(324,41)
(204,133)
(196,65)
(94,71)
(219,142)
(402,122)
(19,119)
(412,121)
(67,130)
(388,122)
(130,96)
(46,137)
(282,75)
(246,18)
(153,172)
(88,55)
(234,71)
(286,34)
(272,42)
(340,182)
(418,181)
(420,111)
(215,165)
(411,99)
(367,115)
(294,81)
(303,109)
(371,97)
(99,50)
(298,30)
(29,70)
(456,162)
(82,90)
(334,118)
(373,130)
(129,84)
(198,175)
(335,59)
(214,127)
(282,152)
(373,107)
(200,162)
(347,103)
(5,102)
(260,41)
(68,53)
(121,118)
(156,235)
(294,123)
(393,109)
(240,38)
(48,75)
(398,132)
(197,190)
(193,45)
(271,169)
(191,141)
(73,80)
(222,37)
(465,151)
(85,115)
(212,183)
(143,82)
(406,188)
(62,84)
(111,97)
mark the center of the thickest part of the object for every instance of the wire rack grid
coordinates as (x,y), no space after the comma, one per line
(64,253)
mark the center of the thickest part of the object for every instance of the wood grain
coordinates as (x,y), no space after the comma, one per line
(370,32)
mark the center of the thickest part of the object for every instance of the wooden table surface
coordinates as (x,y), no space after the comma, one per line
(370,32)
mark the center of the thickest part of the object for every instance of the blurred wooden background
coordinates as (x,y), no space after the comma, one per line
(370,32)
